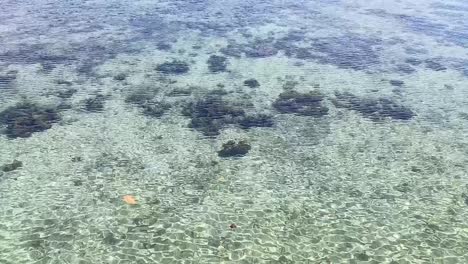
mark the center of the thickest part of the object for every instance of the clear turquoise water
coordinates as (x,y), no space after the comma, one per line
(242,131)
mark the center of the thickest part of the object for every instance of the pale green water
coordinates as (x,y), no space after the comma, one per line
(245,131)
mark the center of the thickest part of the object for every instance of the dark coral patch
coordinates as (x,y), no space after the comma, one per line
(252,83)
(217,63)
(146,100)
(26,118)
(95,104)
(307,104)
(12,166)
(173,67)
(256,120)
(234,149)
(375,109)
(434,65)
(209,115)
(397,83)
(260,49)
(163,46)
(404,68)
(155,108)
(66,93)
(233,50)
(120,77)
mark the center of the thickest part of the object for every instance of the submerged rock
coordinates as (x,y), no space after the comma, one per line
(307,104)
(173,67)
(234,149)
(120,77)
(26,118)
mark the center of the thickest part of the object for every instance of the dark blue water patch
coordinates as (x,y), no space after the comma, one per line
(404,68)
(261,48)
(164,46)
(416,50)
(156,29)
(413,61)
(461,66)
(211,28)
(355,52)
(257,48)
(233,49)
(84,56)
(434,64)
(35,54)
(377,12)
(451,7)
(423,25)
(457,35)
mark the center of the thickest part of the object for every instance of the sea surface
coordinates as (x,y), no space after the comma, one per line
(215,131)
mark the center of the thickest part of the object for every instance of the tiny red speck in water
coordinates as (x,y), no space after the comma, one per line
(232,226)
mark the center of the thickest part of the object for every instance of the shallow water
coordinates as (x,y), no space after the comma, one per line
(233,132)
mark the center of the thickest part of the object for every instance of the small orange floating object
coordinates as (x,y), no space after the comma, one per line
(130,199)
